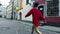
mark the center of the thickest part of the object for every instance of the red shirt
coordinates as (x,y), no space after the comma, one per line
(36,16)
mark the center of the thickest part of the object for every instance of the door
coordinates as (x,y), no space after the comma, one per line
(20,16)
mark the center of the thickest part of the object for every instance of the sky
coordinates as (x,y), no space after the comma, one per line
(4,2)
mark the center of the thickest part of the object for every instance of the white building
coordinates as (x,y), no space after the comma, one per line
(2,11)
(9,10)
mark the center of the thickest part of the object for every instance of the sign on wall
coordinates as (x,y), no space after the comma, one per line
(17,8)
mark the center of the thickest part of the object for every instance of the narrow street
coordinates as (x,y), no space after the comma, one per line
(8,26)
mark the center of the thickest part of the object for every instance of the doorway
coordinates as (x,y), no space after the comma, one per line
(20,16)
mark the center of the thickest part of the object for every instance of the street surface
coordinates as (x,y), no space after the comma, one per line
(8,26)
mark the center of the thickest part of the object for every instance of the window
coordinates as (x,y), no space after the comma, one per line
(53,8)
(27,2)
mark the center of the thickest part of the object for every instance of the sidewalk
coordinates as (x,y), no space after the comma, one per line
(48,23)
(48,28)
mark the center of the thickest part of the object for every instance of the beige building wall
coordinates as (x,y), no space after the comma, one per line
(24,11)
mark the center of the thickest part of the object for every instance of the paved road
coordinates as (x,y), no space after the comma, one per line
(17,27)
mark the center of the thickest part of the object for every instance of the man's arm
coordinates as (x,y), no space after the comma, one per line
(29,13)
(43,18)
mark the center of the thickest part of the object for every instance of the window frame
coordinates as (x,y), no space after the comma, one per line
(54,8)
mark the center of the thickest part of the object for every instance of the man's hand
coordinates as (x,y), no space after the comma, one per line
(25,16)
(45,23)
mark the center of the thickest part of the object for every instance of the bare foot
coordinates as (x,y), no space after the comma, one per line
(40,33)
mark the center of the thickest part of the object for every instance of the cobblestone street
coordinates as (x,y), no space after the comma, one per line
(8,26)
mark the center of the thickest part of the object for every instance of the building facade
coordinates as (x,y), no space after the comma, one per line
(2,11)
(16,4)
(51,9)
(25,6)
(9,10)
